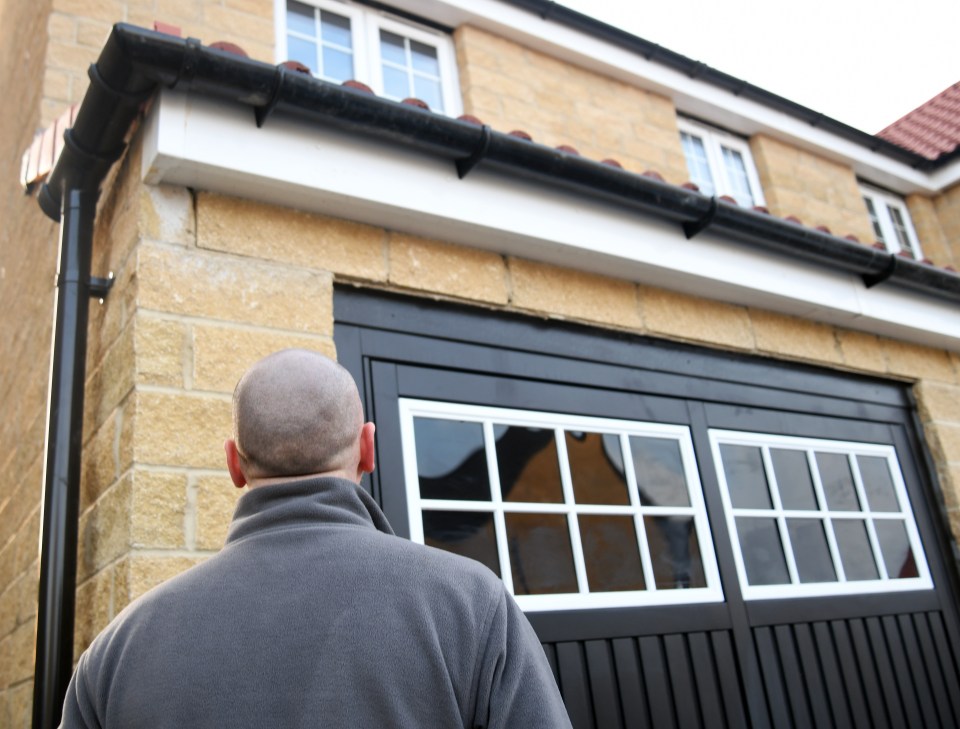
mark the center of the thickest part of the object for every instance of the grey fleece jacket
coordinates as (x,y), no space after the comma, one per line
(315,615)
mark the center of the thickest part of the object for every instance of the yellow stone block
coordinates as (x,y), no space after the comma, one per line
(938,401)
(554,291)
(160,350)
(181,429)
(236,26)
(427,265)
(290,236)
(684,317)
(158,509)
(62,28)
(168,214)
(222,354)
(216,500)
(862,351)
(93,608)
(795,338)
(142,573)
(93,33)
(917,362)
(99,467)
(229,288)
(20,649)
(104,530)
(110,381)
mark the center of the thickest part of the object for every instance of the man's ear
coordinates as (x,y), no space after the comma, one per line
(367,449)
(233,463)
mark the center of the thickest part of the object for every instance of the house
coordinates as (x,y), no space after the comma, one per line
(675,357)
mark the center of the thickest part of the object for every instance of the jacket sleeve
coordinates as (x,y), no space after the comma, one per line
(516,687)
(79,711)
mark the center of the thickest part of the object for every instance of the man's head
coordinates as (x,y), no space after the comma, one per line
(297,413)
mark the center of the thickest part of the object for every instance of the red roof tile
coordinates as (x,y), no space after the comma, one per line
(932,129)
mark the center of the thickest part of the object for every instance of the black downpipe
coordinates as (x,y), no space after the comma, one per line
(58,558)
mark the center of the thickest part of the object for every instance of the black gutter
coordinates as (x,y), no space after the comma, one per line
(549,10)
(135,62)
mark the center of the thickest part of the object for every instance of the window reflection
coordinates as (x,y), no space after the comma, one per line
(793,479)
(610,553)
(451,460)
(895,548)
(659,471)
(528,465)
(877,483)
(838,487)
(810,550)
(540,554)
(467,533)
(596,468)
(674,552)
(762,551)
(746,479)
(855,552)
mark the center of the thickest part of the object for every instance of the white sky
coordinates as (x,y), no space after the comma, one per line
(862,62)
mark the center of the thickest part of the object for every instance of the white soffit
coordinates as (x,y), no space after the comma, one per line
(211,145)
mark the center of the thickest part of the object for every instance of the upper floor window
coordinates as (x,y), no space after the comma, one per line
(397,59)
(891,221)
(720,163)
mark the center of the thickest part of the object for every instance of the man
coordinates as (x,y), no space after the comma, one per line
(314,614)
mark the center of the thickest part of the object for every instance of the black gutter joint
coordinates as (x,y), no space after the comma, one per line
(692,227)
(872,279)
(262,113)
(465,164)
(188,64)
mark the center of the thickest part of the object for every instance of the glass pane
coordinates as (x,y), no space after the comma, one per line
(674,552)
(596,468)
(697,164)
(895,548)
(395,83)
(528,465)
(428,90)
(303,51)
(610,552)
(737,174)
(463,532)
(793,479)
(877,483)
(838,487)
(900,228)
(762,551)
(746,479)
(854,546)
(300,18)
(874,220)
(337,65)
(392,49)
(451,460)
(659,470)
(810,550)
(540,554)
(335,29)
(425,58)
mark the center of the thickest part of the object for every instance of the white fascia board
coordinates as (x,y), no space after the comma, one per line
(691,96)
(211,145)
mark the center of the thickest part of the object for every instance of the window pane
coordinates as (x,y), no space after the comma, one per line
(900,228)
(596,468)
(392,48)
(854,546)
(425,59)
(528,465)
(610,552)
(874,219)
(762,551)
(674,552)
(810,550)
(303,51)
(697,165)
(463,532)
(793,479)
(659,470)
(300,18)
(877,483)
(895,548)
(838,487)
(335,29)
(737,174)
(746,480)
(451,460)
(540,554)
(428,90)
(395,83)
(337,65)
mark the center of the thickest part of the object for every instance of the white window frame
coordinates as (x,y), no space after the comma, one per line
(713,140)
(486,416)
(881,200)
(841,586)
(365,26)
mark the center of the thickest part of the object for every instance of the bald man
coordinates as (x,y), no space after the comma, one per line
(314,614)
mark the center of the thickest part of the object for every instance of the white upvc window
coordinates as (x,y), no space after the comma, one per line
(891,221)
(571,512)
(341,41)
(817,517)
(720,163)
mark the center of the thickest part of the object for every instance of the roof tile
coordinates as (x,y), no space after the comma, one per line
(932,129)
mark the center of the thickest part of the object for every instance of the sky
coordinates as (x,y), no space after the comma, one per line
(863,62)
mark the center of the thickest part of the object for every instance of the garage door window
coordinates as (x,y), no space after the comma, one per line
(571,512)
(817,517)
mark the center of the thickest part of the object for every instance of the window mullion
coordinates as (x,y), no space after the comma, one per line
(566,481)
(496,498)
(865,508)
(646,564)
(827,521)
(785,542)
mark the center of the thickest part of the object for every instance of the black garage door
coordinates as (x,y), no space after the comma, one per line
(699,539)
